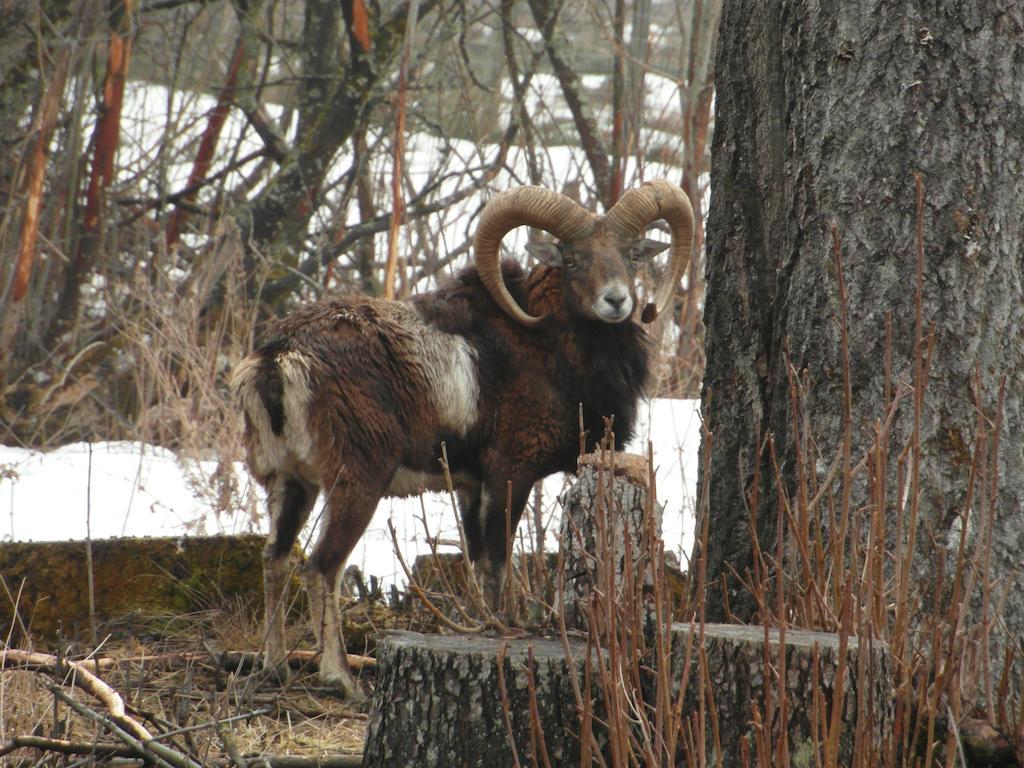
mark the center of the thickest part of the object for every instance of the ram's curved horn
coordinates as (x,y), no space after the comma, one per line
(636,210)
(537,207)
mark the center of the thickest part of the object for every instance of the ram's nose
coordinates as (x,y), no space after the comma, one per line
(616,299)
(614,305)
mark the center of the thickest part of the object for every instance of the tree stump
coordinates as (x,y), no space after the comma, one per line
(736,683)
(438,702)
(605,531)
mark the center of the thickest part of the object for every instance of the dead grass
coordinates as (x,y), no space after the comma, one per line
(182,681)
(156,371)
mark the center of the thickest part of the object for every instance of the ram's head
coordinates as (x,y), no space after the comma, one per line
(598,254)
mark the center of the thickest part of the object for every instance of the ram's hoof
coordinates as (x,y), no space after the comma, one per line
(277,674)
(348,688)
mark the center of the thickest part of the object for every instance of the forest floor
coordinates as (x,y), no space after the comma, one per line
(192,682)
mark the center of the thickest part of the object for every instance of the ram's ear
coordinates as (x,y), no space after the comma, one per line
(645,249)
(545,253)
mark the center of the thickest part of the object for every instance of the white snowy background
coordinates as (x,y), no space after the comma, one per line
(122,489)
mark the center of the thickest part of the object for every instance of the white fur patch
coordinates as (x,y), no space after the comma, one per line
(608,311)
(485,501)
(458,392)
(294,368)
(293,448)
(450,366)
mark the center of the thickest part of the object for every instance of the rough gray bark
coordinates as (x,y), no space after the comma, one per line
(738,682)
(825,111)
(438,699)
(604,526)
(438,702)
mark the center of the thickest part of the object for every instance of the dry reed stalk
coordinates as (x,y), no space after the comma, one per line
(180,356)
(476,594)
(450,591)
(398,153)
(507,598)
(584,704)
(537,744)
(505,708)
(424,598)
(630,642)
(89,572)
(902,615)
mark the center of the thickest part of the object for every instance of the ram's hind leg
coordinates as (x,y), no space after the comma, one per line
(473,502)
(350,507)
(498,521)
(289,501)
(469,510)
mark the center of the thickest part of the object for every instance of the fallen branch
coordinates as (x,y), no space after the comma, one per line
(294,761)
(138,742)
(214,723)
(65,747)
(81,678)
(126,728)
(146,748)
(228,660)
(107,750)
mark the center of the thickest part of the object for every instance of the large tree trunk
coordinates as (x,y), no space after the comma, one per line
(825,113)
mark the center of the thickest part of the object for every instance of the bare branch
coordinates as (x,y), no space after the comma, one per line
(416,208)
(546,15)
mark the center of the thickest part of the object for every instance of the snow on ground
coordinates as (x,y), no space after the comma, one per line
(130,489)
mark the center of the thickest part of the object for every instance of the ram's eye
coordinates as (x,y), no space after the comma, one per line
(568,261)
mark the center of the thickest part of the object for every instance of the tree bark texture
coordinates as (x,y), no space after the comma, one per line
(738,682)
(605,536)
(438,702)
(825,112)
